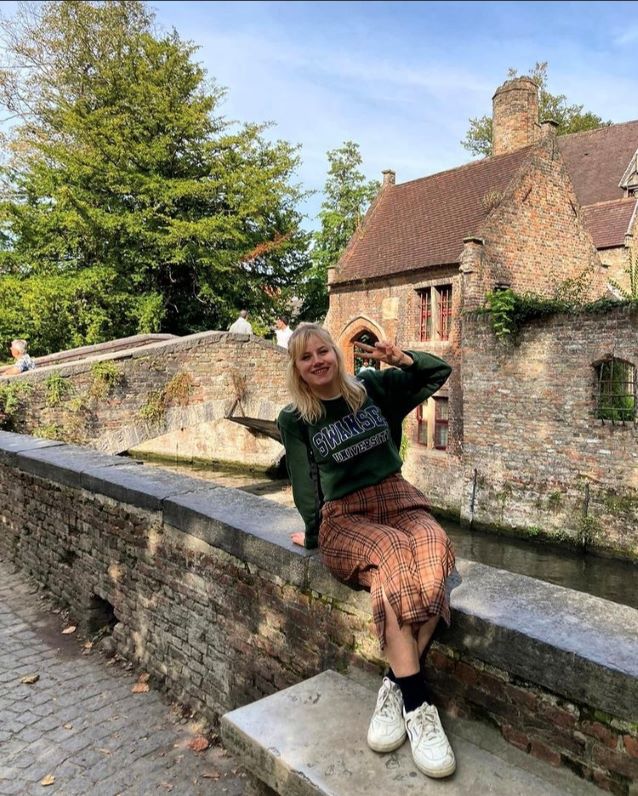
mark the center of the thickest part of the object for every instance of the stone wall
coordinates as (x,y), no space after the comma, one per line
(207,594)
(535,455)
(179,390)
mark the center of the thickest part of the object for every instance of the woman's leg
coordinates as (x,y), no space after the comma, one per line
(401,647)
(424,635)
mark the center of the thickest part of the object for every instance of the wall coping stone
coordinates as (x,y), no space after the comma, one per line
(12,444)
(65,463)
(95,349)
(165,346)
(576,645)
(249,527)
(142,487)
(572,643)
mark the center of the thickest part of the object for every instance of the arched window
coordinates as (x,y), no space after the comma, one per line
(616,391)
(360,359)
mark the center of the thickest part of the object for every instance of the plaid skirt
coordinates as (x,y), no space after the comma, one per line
(384,539)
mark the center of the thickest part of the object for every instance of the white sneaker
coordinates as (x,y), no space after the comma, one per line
(387,727)
(431,749)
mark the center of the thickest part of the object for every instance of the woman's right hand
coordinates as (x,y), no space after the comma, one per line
(298,538)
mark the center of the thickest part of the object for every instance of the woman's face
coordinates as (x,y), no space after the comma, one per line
(317,365)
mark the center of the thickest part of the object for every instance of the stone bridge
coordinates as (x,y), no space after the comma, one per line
(157,394)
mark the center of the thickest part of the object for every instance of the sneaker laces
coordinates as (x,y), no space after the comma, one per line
(387,703)
(425,723)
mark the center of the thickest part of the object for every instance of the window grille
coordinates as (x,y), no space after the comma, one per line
(440,423)
(616,391)
(435,321)
(425,332)
(445,311)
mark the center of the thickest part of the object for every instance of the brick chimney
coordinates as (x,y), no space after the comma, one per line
(515,116)
(389,177)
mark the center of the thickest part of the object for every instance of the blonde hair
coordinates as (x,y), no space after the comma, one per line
(304,400)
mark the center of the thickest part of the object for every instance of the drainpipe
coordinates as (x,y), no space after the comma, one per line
(473,498)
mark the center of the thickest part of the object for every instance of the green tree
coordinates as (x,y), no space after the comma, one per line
(121,175)
(347,196)
(570,118)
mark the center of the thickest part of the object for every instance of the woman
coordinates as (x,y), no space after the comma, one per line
(374,529)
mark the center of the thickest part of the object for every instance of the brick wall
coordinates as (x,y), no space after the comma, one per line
(533,239)
(515,115)
(543,461)
(553,729)
(183,387)
(211,600)
(617,260)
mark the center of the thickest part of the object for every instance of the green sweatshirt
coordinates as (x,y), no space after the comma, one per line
(355,450)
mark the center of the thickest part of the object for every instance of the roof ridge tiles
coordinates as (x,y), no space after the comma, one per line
(609,202)
(582,133)
(467,166)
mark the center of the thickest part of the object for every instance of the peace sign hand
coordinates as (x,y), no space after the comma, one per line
(385,351)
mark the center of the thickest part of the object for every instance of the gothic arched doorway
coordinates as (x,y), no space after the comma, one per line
(359,358)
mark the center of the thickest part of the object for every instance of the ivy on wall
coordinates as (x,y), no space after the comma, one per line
(509,311)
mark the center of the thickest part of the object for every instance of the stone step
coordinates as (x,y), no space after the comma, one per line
(309,740)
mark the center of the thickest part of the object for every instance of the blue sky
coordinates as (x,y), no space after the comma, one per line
(401,79)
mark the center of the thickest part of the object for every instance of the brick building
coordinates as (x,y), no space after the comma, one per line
(543,210)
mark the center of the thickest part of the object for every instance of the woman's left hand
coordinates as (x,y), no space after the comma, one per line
(298,538)
(385,351)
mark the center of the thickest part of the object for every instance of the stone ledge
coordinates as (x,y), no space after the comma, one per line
(164,344)
(248,527)
(310,739)
(142,487)
(64,463)
(12,444)
(575,645)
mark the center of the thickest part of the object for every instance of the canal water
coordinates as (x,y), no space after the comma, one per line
(602,577)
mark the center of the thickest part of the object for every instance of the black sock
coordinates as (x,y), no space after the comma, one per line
(413,690)
(429,696)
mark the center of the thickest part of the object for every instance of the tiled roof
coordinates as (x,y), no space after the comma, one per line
(423,222)
(596,160)
(608,222)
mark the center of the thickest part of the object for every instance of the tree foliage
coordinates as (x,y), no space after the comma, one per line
(570,118)
(128,203)
(347,195)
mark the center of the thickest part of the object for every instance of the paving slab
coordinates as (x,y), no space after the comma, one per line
(80,722)
(309,740)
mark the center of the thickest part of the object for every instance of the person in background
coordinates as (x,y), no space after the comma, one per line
(283,332)
(366,365)
(241,325)
(342,436)
(23,361)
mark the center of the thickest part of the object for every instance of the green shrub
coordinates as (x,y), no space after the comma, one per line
(56,389)
(105,377)
(12,396)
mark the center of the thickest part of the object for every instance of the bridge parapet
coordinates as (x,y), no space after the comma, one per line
(120,399)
